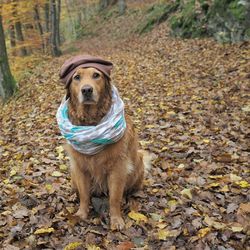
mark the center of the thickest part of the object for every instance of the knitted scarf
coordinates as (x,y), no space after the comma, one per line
(92,139)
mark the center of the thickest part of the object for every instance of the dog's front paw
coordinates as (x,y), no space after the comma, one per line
(82,214)
(117,223)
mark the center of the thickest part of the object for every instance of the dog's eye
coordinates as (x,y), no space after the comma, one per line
(96,75)
(77,77)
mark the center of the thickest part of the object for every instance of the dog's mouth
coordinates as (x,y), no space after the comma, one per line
(89,101)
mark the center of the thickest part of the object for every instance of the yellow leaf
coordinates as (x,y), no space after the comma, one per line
(243,184)
(206,140)
(137,216)
(172,203)
(166,210)
(155,190)
(237,229)
(234,177)
(215,176)
(59,149)
(93,247)
(224,189)
(187,193)
(6,181)
(72,246)
(214,184)
(13,172)
(149,126)
(185,232)
(63,167)
(44,230)
(164,234)
(203,232)
(161,225)
(19,156)
(181,166)
(60,152)
(171,113)
(164,149)
(56,174)
(218,225)
(48,187)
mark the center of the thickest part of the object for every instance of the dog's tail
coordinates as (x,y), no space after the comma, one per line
(147,160)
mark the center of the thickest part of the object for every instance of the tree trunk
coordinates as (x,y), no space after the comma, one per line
(47,19)
(72,24)
(103,4)
(7,82)
(18,30)
(55,51)
(39,25)
(12,39)
(122,6)
(19,36)
(46,26)
(58,12)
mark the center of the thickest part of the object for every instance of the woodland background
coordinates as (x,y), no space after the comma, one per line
(182,69)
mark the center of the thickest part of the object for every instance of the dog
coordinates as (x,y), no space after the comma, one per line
(116,170)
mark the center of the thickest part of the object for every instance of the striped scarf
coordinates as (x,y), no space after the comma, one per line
(92,139)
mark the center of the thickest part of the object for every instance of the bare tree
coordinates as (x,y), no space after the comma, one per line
(39,25)
(7,82)
(19,32)
(55,51)
(122,6)
(58,15)
(12,39)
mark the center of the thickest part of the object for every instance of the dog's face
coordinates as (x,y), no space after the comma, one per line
(87,85)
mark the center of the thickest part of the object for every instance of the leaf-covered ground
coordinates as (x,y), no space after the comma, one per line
(189,101)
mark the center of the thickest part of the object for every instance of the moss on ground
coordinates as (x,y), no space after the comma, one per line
(156,14)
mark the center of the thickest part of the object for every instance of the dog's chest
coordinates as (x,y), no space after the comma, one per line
(98,171)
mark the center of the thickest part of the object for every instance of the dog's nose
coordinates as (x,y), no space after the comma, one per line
(87,90)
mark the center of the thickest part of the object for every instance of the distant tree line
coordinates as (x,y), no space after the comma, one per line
(34,26)
(27,31)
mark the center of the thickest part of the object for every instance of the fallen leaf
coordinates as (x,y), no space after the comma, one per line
(93,247)
(187,193)
(137,216)
(44,230)
(237,229)
(203,232)
(234,177)
(243,184)
(63,167)
(56,174)
(127,245)
(72,245)
(164,234)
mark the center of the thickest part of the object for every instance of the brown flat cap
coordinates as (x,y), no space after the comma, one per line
(83,61)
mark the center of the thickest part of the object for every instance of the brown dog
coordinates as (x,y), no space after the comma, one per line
(116,169)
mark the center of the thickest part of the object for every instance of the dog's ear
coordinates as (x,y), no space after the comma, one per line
(108,89)
(67,91)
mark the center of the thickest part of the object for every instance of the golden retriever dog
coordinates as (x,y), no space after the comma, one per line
(119,167)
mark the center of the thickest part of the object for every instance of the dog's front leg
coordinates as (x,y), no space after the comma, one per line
(116,184)
(81,181)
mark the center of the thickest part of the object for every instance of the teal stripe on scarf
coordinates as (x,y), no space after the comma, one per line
(120,122)
(101,141)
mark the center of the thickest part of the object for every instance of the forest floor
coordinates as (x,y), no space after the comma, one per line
(188,100)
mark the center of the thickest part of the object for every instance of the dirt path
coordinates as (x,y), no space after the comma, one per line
(188,100)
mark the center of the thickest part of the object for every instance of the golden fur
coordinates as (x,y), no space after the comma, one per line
(115,170)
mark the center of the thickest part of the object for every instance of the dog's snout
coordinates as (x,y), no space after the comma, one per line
(87,90)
